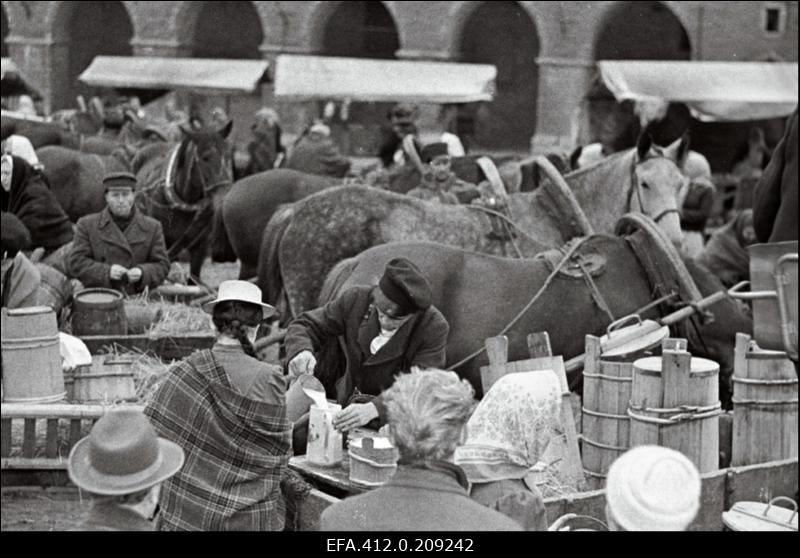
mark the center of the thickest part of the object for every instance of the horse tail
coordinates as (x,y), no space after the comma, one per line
(221,247)
(270,279)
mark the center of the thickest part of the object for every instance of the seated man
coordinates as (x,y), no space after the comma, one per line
(25,194)
(119,248)
(428,412)
(316,153)
(439,183)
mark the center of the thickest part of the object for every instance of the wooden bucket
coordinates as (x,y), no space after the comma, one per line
(675,404)
(99,312)
(31,356)
(109,379)
(607,379)
(373,461)
(764,403)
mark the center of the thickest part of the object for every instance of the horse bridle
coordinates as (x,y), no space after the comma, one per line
(636,187)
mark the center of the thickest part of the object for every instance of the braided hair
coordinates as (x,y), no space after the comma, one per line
(232,317)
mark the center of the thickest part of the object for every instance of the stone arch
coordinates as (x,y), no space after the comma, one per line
(642,31)
(80,31)
(510,119)
(3,31)
(205,28)
(375,33)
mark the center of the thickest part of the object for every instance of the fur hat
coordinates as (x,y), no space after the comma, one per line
(404,284)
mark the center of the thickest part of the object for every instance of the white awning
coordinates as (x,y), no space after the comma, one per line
(713,91)
(215,76)
(359,79)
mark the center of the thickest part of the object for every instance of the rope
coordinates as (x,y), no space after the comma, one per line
(764,401)
(533,300)
(684,413)
(597,296)
(764,382)
(604,446)
(593,474)
(519,229)
(609,378)
(604,415)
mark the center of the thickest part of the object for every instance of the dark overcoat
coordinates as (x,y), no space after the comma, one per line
(775,195)
(420,341)
(99,243)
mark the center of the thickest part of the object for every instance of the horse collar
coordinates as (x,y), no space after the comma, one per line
(169,186)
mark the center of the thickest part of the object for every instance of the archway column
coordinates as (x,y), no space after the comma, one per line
(160,47)
(563,84)
(46,63)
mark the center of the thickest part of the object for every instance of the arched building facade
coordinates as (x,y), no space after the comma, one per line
(546,67)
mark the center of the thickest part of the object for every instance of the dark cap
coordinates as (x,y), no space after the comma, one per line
(433,150)
(404,284)
(119,180)
(403,113)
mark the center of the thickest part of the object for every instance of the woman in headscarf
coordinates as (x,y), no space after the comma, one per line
(227,410)
(507,436)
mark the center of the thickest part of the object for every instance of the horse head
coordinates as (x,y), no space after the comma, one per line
(207,161)
(659,187)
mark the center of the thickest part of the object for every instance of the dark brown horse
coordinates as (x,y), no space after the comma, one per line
(182,185)
(480,295)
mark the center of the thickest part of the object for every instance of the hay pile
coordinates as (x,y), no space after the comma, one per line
(148,370)
(174,319)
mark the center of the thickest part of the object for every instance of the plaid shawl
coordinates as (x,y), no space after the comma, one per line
(237,451)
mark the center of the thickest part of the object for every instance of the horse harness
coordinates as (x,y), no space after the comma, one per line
(636,187)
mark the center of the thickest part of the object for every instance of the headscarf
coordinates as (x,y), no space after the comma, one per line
(510,429)
(20,146)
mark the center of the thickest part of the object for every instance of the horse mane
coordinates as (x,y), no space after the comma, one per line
(602,164)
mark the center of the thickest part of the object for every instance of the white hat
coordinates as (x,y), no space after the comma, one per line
(652,488)
(320,128)
(20,146)
(243,291)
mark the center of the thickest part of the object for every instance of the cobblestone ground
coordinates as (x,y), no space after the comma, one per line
(37,509)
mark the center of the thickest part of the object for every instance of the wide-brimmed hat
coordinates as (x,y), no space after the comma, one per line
(653,488)
(123,455)
(243,291)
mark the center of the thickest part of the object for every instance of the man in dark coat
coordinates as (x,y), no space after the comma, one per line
(26,194)
(266,147)
(439,183)
(428,412)
(775,196)
(386,329)
(316,153)
(119,248)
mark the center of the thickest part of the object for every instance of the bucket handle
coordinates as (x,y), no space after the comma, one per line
(787,327)
(625,319)
(736,292)
(782,499)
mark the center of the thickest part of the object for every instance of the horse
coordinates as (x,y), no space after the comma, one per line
(299,249)
(182,185)
(481,294)
(252,201)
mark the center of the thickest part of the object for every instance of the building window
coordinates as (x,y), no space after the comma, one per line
(773,18)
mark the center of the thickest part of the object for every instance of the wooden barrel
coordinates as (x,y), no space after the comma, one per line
(766,311)
(55,290)
(765,405)
(99,312)
(607,379)
(140,317)
(31,356)
(109,379)
(675,404)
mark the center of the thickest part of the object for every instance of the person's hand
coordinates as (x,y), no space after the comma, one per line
(355,415)
(117,272)
(303,363)
(134,275)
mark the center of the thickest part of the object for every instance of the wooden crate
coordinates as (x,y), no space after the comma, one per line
(48,433)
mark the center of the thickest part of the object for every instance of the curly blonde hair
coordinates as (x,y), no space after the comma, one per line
(427,411)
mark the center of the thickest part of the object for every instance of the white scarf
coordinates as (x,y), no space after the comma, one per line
(380,340)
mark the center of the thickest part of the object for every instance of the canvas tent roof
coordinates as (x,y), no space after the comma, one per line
(204,75)
(713,91)
(319,77)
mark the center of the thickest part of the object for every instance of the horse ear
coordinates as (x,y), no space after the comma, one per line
(575,157)
(643,144)
(188,131)
(225,131)
(683,149)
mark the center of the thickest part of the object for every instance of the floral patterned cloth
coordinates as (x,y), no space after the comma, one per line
(511,427)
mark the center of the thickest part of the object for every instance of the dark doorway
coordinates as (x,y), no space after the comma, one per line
(509,120)
(227,30)
(361,30)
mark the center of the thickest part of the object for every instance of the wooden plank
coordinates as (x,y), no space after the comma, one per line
(74,432)
(762,482)
(712,502)
(497,351)
(5,437)
(33,463)
(311,509)
(539,345)
(29,438)
(592,504)
(51,441)
(56,410)
(333,480)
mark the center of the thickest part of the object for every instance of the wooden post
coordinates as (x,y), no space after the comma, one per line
(497,351)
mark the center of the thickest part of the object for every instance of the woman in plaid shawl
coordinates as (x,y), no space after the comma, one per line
(227,411)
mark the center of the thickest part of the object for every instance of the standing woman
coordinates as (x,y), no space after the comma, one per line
(227,411)
(506,436)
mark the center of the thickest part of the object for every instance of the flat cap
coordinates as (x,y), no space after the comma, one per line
(404,284)
(119,180)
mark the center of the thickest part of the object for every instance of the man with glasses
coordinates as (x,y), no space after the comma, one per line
(386,330)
